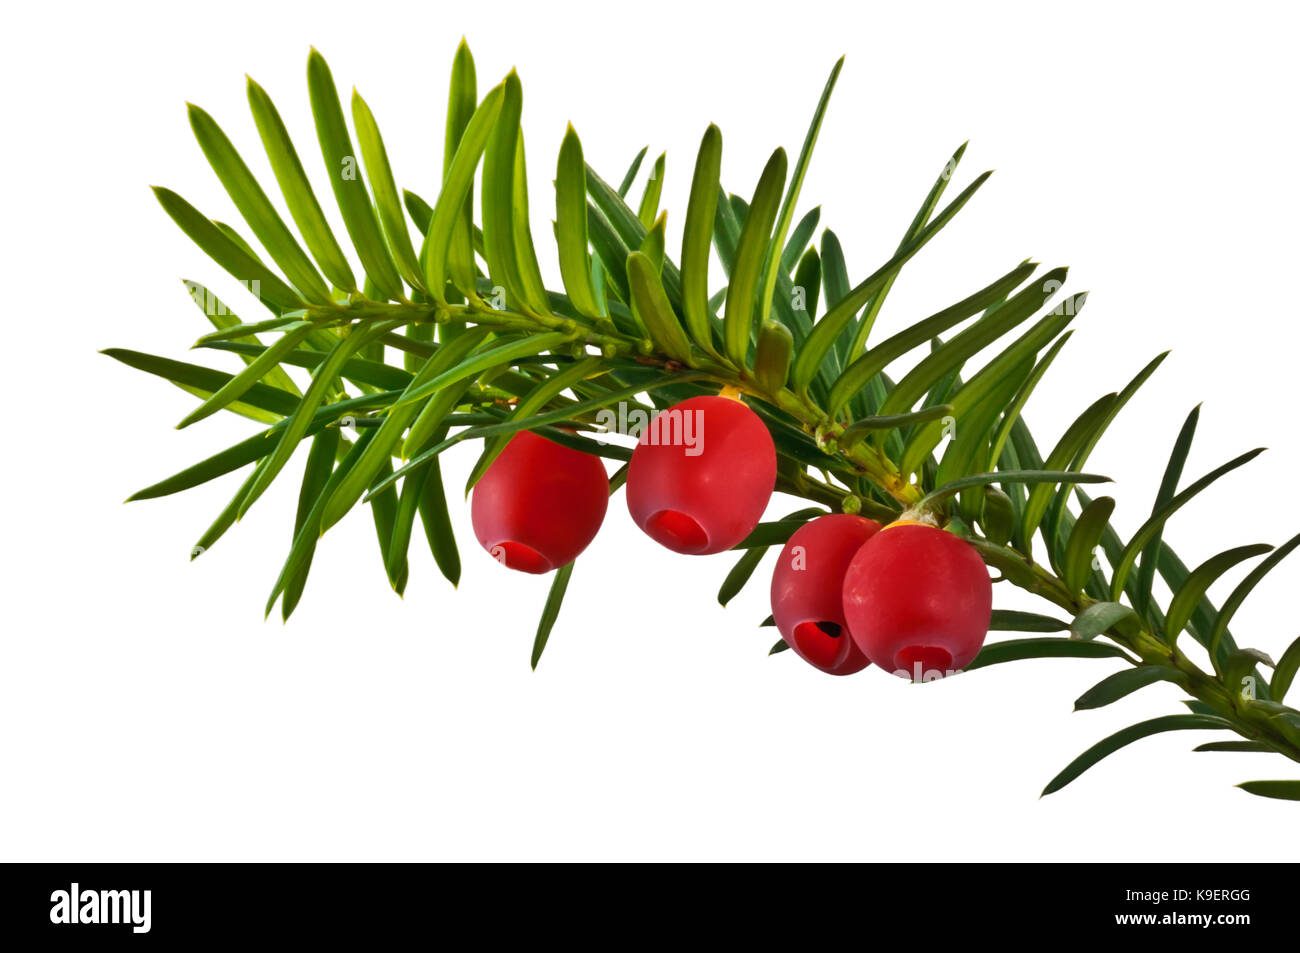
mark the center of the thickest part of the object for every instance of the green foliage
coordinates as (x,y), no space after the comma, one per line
(451,336)
(1127,736)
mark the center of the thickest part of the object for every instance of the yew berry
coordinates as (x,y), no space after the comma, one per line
(539,504)
(808,587)
(701,475)
(918,600)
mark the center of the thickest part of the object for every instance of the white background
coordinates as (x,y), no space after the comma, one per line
(147,711)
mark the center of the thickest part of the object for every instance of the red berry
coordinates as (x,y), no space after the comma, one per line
(539,504)
(918,601)
(808,588)
(701,475)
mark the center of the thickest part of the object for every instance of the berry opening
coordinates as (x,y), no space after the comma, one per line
(677,531)
(521,557)
(930,658)
(819,642)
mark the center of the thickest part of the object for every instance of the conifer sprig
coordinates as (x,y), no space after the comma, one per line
(419,341)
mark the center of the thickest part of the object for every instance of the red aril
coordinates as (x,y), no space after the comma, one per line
(918,601)
(701,475)
(808,587)
(539,504)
